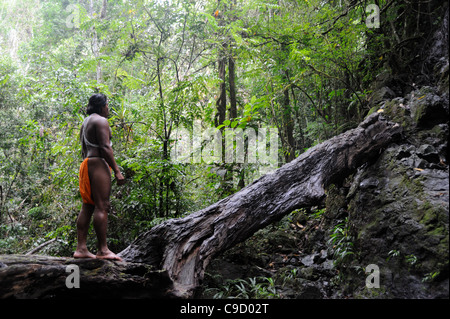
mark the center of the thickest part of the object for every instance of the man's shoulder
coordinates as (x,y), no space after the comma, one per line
(99,120)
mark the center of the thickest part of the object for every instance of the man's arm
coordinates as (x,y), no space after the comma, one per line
(104,143)
(83,144)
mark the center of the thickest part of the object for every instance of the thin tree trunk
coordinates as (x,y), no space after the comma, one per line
(163,184)
(222,100)
(95,45)
(288,125)
(232,84)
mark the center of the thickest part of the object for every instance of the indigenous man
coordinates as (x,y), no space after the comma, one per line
(95,177)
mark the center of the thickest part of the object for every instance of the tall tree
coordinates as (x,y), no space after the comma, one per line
(95,40)
(221,101)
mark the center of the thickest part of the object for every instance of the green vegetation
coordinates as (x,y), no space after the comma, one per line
(341,242)
(294,66)
(302,67)
(252,288)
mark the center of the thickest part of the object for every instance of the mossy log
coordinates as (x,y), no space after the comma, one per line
(45,277)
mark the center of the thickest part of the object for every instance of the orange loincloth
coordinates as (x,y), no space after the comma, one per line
(85,184)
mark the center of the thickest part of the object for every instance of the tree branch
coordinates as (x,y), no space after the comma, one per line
(38,248)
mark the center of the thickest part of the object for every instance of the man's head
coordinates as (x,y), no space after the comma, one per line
(98,103)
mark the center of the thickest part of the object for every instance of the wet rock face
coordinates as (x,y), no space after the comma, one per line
(399,206)
(427,107)
(400,224)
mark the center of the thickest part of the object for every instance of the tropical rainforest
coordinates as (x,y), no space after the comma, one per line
(301,70)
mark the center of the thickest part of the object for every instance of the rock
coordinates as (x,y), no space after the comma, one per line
(401,204)
(404,151)
(370,182)
(382,94)
(427,108)
(309,273)
(323,255)
(309,291)
(327,265)
(308,260)
(398,206)
(428,153)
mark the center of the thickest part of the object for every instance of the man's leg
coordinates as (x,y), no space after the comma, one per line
(100,177)
(83,220)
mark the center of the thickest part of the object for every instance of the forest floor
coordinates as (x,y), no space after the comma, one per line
(287,260)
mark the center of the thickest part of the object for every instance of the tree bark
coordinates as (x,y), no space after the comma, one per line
(39,277)
(289,152)
(95,45)
(183,247)
(222,100)
(232,83)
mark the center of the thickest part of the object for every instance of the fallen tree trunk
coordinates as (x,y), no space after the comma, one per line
(45,277)
(184,247)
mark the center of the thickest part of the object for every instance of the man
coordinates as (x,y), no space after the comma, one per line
(95,178)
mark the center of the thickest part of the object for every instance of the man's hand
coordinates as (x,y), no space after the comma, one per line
(120,179)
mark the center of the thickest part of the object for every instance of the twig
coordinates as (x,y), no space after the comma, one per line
(35,250)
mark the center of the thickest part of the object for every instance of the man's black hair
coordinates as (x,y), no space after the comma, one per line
(96,103)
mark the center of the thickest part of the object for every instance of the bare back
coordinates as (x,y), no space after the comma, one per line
(95,134)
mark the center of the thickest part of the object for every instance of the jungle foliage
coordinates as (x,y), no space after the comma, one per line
(302,67)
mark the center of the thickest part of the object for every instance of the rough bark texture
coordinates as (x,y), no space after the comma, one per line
(183,247)
(44,277)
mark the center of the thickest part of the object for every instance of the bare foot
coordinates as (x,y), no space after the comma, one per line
(83,254)
(108,255)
